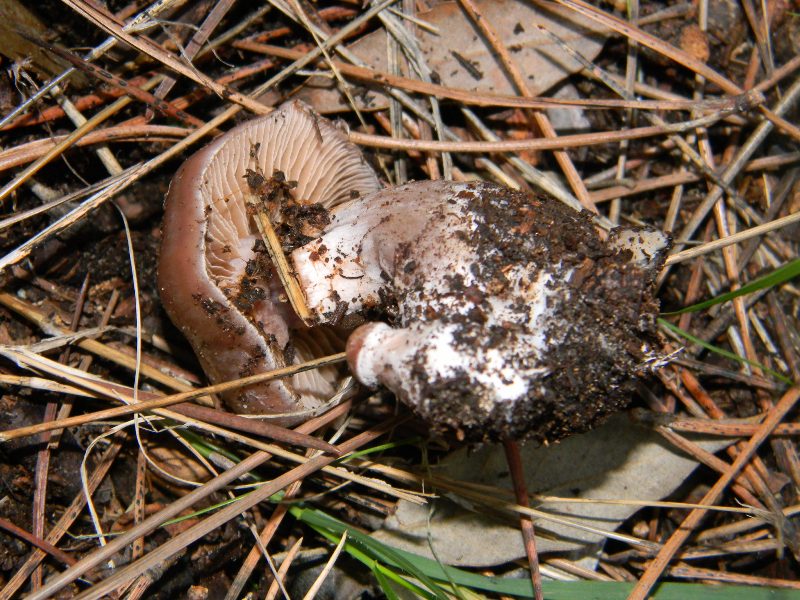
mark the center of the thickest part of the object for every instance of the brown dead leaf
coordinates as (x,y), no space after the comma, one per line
(460,57)
(16,22)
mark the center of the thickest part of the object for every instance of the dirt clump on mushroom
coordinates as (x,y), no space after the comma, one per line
(599,332)
(296,221)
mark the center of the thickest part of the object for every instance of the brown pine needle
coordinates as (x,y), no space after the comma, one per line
(147,405)
(668,550)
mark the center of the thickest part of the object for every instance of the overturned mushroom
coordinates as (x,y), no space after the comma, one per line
(215,278)
(492,312)
(508,315)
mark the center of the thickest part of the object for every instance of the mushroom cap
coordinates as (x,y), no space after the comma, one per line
(215,279)
(512,318)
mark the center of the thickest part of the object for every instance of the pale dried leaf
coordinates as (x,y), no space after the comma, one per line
(616,461)
(542,62)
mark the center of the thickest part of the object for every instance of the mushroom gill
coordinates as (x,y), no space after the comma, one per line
(215,278)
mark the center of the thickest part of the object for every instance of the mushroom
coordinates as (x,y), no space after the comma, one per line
(490,311)
(215,279)
(508,315)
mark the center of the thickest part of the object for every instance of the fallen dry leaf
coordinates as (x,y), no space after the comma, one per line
(461,58)
(616,461)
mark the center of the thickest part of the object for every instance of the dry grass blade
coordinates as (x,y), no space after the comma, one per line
(65,522)
(634,33)
(167,108)
(149,48)
(273,243)
(264,537)
(186,414)
(162,402)
(540,119)
(735,238)
(683,177)
(67,142)
(533,175)
(199,38)
(679,56)
(578,140)
(282,570)
(474,98)
(41,320)
(684,146)
(312,591)
(151,12)
(15,157)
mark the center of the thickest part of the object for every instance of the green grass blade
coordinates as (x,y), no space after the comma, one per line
(373,564)
(777,277)
(722,352)
(382,552)
(572,590)
(381,448)
(384,582)
(602,590)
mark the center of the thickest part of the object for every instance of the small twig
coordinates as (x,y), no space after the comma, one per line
(526,523)
(43,545)
(729,428)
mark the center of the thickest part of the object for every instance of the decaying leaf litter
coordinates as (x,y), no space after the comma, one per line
(722,170)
